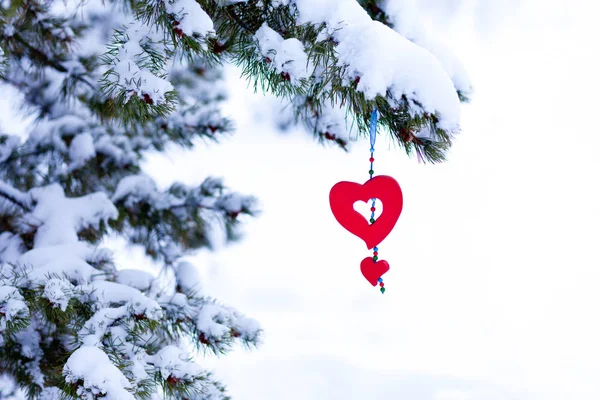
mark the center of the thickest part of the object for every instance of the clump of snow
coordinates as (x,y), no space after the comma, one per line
(207,318)
(95,328)
(191,17)
(106,293)
(61,217)
(286,56)
(384,61)
(406,19)
(137,357)
(187,277)
(232,202)
(135,188)
(69,260)
(172,361)
(216,321)
(179,300)
(51,393)
(12,305)
(135,278)
(211,184)
(58,292)
(10,144)
(9,30)
(81,150)
(100,377)
(51,131)
(10,247)
(29,339)
(23,198)
(130,71)
(111,147)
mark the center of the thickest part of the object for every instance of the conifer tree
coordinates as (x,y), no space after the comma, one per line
(109,81)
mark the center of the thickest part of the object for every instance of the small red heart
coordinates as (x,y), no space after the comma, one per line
(373,270)
(343,195)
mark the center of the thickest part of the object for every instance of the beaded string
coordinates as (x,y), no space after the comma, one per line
(373,136)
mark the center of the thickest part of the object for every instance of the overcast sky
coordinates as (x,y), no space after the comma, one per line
(493,289)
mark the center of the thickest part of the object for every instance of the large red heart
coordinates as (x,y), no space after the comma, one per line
(373,270)
(343,195)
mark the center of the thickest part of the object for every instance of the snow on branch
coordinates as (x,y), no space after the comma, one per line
(94,375)
(15,196)
(384,63)
(137,65)
(287,56)
(12,305)
(190,18)
(137,61)
(406,20)
(188,215)
(62,218)
(125,334)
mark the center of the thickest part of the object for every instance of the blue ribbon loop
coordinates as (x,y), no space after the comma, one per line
(373,127)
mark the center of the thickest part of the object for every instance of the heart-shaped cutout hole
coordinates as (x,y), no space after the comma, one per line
(364,209)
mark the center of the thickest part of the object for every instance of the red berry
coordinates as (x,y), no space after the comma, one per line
(171,380)
(148,99)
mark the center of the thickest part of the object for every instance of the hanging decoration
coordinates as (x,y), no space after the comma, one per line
(342,197)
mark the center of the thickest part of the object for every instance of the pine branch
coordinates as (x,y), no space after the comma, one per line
(329,84)
(376,12)
(18,156)
(15,196)
(47,61)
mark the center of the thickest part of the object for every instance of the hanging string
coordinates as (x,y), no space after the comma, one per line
(373,127)
(373,136)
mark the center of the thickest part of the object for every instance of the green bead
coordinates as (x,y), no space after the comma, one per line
(372,220)
(375,258)
(371,172)
(382,290)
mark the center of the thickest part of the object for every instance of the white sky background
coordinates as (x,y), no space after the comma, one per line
(493,289)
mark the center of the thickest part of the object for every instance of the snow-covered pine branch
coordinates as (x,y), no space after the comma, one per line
(102,314)
(333,56)
(14,196)
(335,64)
(71,322)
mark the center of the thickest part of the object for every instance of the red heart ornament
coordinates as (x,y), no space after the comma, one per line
(373,270)
(343,195)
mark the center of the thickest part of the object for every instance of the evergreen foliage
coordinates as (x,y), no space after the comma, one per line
(109,81)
